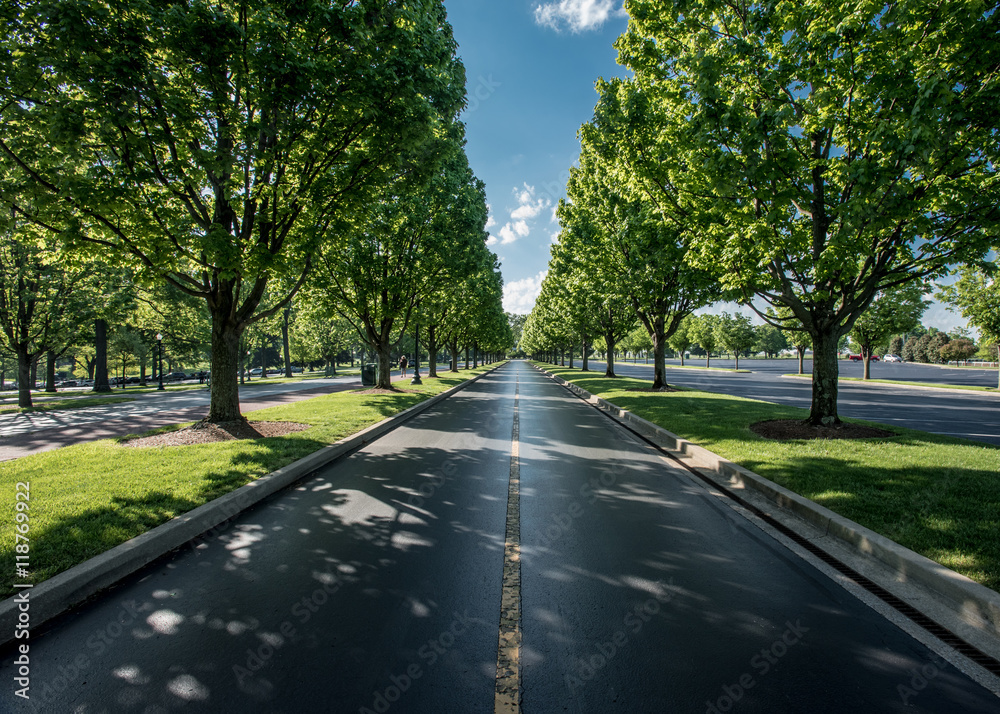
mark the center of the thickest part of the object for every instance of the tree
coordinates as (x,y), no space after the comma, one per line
(43,299)
(770,340)
(703,331)
(976,295)
(216,147)
(636,341)
(681,339)
(895,345)
(957,350)
(628,245)
(424,231)
(735,333)
(890,312)
(837,163)
(935,344)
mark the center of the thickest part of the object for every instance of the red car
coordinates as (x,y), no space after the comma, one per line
(858,358)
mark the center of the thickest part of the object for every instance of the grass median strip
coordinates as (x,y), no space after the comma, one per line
(936,495)
(91,497)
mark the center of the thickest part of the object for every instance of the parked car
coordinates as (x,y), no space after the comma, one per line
(859,358)
(174,377)
(892,358)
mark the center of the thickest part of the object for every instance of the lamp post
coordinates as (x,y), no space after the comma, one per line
(248,365)
(416,357)
(159,360)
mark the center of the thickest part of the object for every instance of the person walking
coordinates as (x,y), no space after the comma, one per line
(403,362)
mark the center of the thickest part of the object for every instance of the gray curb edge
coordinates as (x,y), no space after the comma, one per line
(61,592)
(977,605)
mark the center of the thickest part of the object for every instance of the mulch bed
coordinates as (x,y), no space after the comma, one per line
(206,433)
(788,429)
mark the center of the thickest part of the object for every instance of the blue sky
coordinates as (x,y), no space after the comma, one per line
(531,67)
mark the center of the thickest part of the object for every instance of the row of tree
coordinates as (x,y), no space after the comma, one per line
(229,157)
(808,160)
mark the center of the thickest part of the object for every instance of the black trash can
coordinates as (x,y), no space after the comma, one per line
(369,374)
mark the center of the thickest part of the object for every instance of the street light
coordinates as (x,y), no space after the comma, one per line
(416,357)
(159,359)
(248,366)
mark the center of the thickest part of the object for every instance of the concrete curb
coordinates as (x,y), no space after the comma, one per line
(59,593)
(975,604)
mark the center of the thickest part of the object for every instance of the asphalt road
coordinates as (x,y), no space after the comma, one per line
(375,586)
(965,414)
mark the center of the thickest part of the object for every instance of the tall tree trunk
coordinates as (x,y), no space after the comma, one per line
(609,359)
(385,363)
(24,385)
(142,370)
(801,349)
(432,351)
(466,356)
(224,388)
(867,359)
(659,354)
(50,371)
(34,369)
(453,346)
(583,353)
(284,341)
(101,383)
(571,356)
(475,354)
(824,381)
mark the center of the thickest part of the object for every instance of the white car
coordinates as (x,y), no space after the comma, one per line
(892,358)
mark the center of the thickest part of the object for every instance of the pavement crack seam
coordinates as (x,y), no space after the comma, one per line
(507,698)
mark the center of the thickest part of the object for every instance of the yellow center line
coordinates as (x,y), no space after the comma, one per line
(507,699)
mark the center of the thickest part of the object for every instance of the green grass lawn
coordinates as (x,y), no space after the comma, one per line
(91,497)
(936,495)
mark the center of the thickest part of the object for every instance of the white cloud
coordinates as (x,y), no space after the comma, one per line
(527,210)
(519,296)
(577,15)
(490,219)
(492,240)
(555,237)
(507,235)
